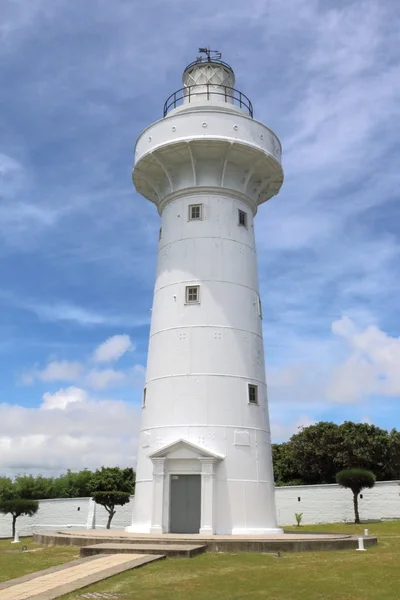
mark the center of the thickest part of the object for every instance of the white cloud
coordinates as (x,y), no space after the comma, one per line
(61,371)
(78,314)
(344,327)
(79,431)
(371,368)
(72,429)
(63,398)
(12,176)
(105,379)
(367,420)
(350,367)
(113,348)
(97,379)
(281,432)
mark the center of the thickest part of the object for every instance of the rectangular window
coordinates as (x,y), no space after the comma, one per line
(195,212)
(192,294)
(144,397)
(253,394)
(242,218)
(260,308)
(160,234)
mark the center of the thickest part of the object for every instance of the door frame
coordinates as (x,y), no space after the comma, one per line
(183,458)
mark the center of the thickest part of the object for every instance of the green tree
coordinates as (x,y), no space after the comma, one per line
(18,507)
(12,501)
(284,469)
(312,453)
(73,485)
(365,446)
(33,487)
(316,453)
(394,454)
(356,480)
(111,487)
(6,488)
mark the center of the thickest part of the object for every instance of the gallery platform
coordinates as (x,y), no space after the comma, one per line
(286,542)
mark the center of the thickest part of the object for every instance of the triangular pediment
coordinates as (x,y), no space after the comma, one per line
(184,449)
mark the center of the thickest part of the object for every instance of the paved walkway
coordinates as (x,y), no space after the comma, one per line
(53,583)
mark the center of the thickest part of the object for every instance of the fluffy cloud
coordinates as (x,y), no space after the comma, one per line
(281,432)
(104,379)
(371,368)
(11,176)
(63,398)
(113,348)
(55,371)
(71,429)
(97,379)
(357,363)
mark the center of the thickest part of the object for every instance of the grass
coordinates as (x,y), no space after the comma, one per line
(340,575)
(14,562)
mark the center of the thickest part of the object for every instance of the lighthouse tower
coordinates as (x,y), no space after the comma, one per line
(204,457)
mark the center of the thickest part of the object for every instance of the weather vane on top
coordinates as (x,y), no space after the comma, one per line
(210,54)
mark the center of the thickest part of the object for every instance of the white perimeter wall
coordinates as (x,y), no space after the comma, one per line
(333,504)
(318,503)
(63,513)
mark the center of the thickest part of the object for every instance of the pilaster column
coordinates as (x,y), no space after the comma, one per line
(91,518)
(207,496)
(158,495)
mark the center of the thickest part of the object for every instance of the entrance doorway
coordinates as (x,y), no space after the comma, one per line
(185,504)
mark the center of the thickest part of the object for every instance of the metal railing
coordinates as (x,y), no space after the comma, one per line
(209,90)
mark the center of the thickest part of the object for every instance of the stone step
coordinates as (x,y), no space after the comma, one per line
(172,550)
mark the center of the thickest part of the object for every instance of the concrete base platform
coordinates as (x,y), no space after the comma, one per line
(172,550)
(286,542)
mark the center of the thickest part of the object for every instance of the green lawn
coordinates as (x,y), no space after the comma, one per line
(341,575)
(14,562)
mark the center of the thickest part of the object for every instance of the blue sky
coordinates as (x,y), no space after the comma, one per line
(79,82)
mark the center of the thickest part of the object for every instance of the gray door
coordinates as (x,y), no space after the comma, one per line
(185,504)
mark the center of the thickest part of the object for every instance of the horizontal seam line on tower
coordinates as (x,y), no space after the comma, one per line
(208,425)
(205,281)
(208,325)
(207,237)
(197,190)
(225,480)
(207,375)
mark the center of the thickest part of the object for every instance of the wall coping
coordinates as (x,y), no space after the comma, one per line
(79,499)
(277,489)
(329,485)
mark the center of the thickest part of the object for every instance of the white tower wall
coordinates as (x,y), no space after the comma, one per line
(197,418)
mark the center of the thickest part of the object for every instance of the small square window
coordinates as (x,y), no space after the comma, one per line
(144,397)
(253,394)
(192,294)
(195,212)
(242,218)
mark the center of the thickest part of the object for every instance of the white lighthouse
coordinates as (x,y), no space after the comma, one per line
(204,458)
